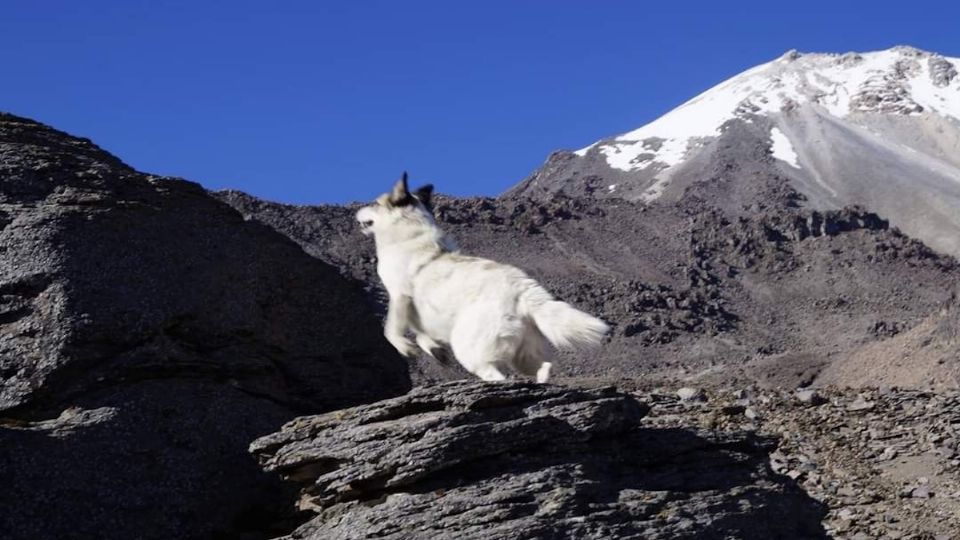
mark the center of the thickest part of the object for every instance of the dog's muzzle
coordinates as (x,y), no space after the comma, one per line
(365,219)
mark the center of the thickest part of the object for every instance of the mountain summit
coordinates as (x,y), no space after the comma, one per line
(879,129)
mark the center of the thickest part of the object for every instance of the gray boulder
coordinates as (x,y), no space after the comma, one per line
(515,460)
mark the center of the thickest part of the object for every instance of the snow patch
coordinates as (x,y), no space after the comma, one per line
(945,100)
(782,149)
(583,151)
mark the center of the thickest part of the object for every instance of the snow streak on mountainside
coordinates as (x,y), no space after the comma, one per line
(782,149)
(879,129)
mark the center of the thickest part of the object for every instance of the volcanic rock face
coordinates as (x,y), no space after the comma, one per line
(523,461)
(885,462)
(736,281)
(147,334)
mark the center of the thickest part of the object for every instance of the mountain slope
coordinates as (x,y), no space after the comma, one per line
(879,129)
(690,291)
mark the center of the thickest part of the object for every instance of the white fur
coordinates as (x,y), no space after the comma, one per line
(494,317)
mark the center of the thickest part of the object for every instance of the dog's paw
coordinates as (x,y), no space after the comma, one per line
(408,350)
(437,351)
(543,374)
(404,346)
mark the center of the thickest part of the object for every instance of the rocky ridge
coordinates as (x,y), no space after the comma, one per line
(524,461)
(766,289)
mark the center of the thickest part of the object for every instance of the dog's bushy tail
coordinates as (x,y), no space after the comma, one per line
(563,325)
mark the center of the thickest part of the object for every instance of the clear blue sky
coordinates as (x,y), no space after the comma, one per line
(327,101)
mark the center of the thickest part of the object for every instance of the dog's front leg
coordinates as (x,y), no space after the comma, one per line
(398,319)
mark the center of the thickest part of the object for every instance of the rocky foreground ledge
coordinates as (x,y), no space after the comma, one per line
(517,460)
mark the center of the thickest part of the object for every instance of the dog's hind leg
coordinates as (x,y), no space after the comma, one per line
(485,342)
(543,374)
(533,355)
(482,360)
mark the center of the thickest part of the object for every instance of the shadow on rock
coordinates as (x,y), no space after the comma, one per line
(128,469)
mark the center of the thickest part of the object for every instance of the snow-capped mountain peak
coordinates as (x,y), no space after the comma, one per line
(878,129)
(902,80)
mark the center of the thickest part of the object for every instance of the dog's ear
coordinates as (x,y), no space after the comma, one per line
(401,193)
(425,195)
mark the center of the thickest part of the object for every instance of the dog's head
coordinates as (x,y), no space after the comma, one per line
(397,208)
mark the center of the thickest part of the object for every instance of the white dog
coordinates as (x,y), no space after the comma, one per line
(493,316)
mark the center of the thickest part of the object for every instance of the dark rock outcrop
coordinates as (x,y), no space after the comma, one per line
(147,334)
(525,461)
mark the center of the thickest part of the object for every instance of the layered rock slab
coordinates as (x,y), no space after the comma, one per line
(517,460)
